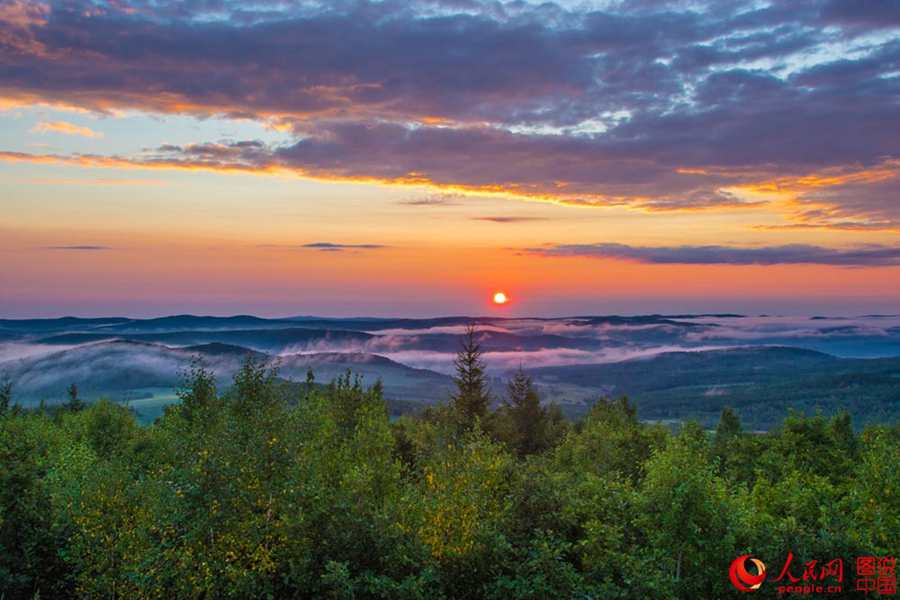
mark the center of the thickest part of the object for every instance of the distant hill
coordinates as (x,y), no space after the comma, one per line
(762,383)
(379,324)
(60,324)
(126,368)
(683,368)
(229,350)
(400,381)
(71,339)
(193,322)
(261,340)
(105,368)
(761,365)
(490,341)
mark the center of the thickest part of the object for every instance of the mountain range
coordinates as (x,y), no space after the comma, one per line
(674,366)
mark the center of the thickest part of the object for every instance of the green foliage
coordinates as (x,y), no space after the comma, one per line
(611,442)
(5,394)
(687,513)
(74,403)
(198,393)
(109,429)
(308,491)
(729,426)
(522,423)
(875,495)
(472,398)
(254,388)
(761,384)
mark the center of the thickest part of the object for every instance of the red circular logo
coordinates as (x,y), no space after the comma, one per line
(743,579)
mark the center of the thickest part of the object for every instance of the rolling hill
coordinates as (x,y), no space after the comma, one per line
(127,369)
(762,383)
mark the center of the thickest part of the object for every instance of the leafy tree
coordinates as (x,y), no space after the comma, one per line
(256,494)
(198,392)
(459,509)
(30,543)
(472,399)
(109,428)
(686,512)
(875,494)
(815,445)
(611,442)
(254,388)
(540,570)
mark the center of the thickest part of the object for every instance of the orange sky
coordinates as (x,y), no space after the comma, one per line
(298,162)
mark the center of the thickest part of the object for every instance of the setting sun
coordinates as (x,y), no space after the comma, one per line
(500,298)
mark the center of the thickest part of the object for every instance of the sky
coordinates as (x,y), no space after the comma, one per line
(413,157)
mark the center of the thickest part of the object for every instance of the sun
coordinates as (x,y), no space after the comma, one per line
(500,298)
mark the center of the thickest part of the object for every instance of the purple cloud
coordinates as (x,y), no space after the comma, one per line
(433,200)
(665,108)
(332,247)
(80,248)
(508,219)
(871,256)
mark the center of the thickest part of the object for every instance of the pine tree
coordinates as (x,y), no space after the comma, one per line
(472,399)
(74,404)
(526,412)
(310,381)
(729,425)
(727,438)
(5,395)
(518,388)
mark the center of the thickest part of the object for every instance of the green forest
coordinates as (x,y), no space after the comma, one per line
(268,490)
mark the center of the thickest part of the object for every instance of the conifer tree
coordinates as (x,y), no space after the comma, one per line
(526,412)
(5,395)
(74,404)
(729,425)
(472,398)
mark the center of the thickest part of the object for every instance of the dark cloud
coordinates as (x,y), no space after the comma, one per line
(661,107)
(473,157)
(867,204)
(433,200)
(80,247)
(884,13)
(872,255)
(332,247)
(509,219)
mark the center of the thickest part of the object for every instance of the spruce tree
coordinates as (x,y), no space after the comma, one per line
(5,395)
(472,399)
(729,425)
(74,404)
(528,416)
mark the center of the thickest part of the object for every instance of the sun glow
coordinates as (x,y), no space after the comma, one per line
(500,298)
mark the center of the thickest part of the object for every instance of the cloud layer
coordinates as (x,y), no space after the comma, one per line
(80,248)
(872,255)
(65,128)
(333,247)
(710,106)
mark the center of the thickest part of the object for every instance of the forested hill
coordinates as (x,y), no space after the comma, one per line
(274,491)
(764,383)
(674,367)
